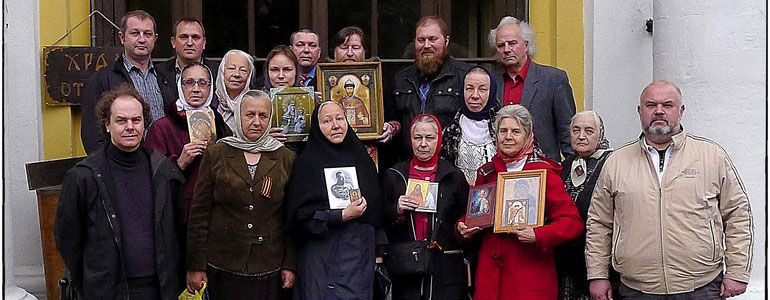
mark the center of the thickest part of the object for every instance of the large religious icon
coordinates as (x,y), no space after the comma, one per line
(520,200)
(481,206)
(341,185)
(201,126)
(358,88)
(292,107)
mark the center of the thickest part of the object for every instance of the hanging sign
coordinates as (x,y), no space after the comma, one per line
(67,69)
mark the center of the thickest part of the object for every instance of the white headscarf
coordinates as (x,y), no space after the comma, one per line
(182,104)
(264,143)
(226,105)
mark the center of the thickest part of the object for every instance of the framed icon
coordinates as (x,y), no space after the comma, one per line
(520,200)
(481,206)
(340,182)
(201,125)
(424,192)
(358,88)
(292,107)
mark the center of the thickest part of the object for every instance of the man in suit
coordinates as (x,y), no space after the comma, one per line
(134,66)
(544,90)
(188,39)
(306,46)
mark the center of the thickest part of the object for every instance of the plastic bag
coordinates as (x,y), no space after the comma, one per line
(198,295)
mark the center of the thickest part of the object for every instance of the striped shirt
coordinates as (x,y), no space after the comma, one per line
(147,86)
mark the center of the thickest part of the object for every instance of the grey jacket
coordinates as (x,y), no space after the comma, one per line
(548,96)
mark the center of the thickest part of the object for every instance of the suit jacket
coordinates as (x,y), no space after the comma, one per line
(236,222)
(548,96)
(167,76)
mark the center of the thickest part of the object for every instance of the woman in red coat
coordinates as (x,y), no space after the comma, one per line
(520,264)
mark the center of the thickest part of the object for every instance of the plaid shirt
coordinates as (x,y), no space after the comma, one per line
(147,86)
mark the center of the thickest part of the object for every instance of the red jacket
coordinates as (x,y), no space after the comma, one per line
(509,269)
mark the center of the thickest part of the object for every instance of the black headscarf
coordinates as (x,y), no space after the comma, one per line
(484,113)
(307,188)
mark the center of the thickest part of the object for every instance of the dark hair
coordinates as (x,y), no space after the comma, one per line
(104,106)
(285,50)
(139,14)
(424,21)
(304,30)
(188,20)
(342,36)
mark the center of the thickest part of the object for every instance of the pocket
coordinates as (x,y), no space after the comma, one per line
(446,101)
(401,98)
(615,255)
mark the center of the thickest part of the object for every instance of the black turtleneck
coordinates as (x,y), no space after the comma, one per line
(131,183)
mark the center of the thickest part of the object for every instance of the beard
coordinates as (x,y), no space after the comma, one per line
(430,65)
(659,133)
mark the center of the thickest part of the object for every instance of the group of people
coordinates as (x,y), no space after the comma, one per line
(150,213)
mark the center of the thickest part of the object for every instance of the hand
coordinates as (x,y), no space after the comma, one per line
(465,231)
(405,203)
(277,133)
(601,289)
(388,131)
(526,235)
(378,260)
(354,210)
(195,280)
(288,278)
(190,151)
(318,97)
(731,288)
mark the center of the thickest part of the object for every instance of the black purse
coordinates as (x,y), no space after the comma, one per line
(411,257)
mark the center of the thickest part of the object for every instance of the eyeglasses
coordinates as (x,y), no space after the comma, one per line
(203,83)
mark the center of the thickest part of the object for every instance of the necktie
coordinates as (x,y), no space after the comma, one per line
(303,78)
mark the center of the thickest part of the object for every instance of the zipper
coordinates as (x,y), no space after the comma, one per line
(114,237)
(652,167)
(713,240)
(615,246)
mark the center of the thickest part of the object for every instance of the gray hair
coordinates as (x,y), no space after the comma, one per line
(527,33)
(597,119)
(423,120)
(517,112)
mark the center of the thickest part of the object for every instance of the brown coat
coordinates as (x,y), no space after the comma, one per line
(237,223)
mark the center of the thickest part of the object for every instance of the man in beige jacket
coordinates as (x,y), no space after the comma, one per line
(669,212)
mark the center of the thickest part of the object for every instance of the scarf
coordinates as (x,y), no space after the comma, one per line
(527,149)
(183,105)
(306,191)
(578,169)
(433,161)
(484,113)
(227,105)
(265,143)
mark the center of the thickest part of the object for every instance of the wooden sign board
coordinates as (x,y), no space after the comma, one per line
(67,69)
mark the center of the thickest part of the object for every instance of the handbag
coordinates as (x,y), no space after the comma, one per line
(410,257)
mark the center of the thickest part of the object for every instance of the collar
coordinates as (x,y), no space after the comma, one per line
(129,66)
(311,74)
(522,73)
(677,140)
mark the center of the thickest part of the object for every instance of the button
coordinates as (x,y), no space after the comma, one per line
(409,91)
(449,89)
(98,175)
(251,207)
(331,286)
(439,92)
(261,239)
(251,189)
(113,216)
(249,225)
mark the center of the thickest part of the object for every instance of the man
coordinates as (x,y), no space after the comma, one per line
(434,84)
(305,45)
(662,210)
(188,40)
(118,220)
(543,90)
(137,34)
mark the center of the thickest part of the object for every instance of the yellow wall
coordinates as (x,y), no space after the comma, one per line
(559,35)
(61,124)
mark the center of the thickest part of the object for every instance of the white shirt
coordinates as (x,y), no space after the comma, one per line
(655,156)
(516,165)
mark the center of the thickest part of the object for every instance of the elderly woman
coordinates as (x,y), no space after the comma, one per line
(469,141)
(405,226)
(233,81)
(520,264)
(579,175)
(236,240)
(336,259)
(170,135)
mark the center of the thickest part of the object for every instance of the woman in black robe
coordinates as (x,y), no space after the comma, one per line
(337,253)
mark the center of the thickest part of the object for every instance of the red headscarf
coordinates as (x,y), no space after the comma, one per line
(527,149)
(433,161)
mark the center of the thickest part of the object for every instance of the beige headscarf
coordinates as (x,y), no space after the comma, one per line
(578,172)
(264,143)
(227,106)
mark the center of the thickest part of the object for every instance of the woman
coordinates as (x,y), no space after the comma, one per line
(469,141)
(448,279)
(580,173)
(281,69)
(170,135)
(336,259)
(236,240)
(519,264)
(233,81)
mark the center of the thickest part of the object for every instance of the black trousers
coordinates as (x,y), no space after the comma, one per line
(144,288)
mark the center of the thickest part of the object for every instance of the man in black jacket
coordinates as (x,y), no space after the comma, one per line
(188,40)
(118,220)
(137,34)
(434,85)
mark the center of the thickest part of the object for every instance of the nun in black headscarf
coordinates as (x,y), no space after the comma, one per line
(469,141)
(337,256)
